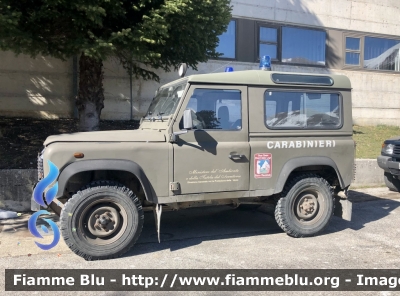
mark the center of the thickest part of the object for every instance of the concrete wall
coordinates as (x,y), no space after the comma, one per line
(42,87)
(356,15)
(16,189)
(117,92)
(367,174)
(376,97)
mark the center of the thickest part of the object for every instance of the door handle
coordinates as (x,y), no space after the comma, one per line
(235,156)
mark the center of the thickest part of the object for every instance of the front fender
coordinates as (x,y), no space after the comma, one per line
(106,164)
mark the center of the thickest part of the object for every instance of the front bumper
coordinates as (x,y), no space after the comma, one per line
(389,165)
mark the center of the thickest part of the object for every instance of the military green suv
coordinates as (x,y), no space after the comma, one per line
(213,139)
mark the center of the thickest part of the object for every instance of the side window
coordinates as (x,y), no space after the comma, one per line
(307,110)
(216,109)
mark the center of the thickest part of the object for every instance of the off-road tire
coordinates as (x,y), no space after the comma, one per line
(296,193)
(391,182)
(79,212)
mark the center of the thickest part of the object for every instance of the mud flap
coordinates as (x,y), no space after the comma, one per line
(157,216)
(343,208)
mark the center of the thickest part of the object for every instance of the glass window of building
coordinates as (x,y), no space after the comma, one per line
(381,54)
(352,51)
(227,42)
(303,46)
(268,42)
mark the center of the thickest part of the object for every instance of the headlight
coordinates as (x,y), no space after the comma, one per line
(387,148)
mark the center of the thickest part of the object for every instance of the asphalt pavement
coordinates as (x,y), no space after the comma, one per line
(228,238)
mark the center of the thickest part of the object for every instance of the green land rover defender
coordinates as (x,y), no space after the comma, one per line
(231,138)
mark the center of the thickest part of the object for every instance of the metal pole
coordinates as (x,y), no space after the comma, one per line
(74,85)
(130,84)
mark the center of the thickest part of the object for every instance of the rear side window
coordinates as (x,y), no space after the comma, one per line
(302,110)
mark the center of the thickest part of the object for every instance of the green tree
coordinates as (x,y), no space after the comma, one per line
(143,34)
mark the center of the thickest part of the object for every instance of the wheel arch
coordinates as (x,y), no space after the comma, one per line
(306,164)
(106,165)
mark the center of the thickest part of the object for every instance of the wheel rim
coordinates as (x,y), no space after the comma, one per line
(103,222)
(309,206)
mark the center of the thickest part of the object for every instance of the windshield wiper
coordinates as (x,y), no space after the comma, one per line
(153,118)
(160,114)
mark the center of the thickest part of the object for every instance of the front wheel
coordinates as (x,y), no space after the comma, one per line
(102,221)
(392,182)
(306,207)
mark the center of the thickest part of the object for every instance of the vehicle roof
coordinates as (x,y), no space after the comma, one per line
(259,77)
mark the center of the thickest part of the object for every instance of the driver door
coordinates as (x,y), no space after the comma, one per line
(214,155)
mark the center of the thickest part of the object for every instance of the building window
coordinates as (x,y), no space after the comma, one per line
(303,46)
(269,42)
(227,42)
(352,51)
(302,110)
(381,54)
(292,45)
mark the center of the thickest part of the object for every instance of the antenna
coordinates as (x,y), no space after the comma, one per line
(222,67)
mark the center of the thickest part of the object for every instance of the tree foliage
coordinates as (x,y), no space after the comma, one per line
(143,34)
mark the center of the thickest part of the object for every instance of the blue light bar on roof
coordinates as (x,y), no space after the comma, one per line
(265,63)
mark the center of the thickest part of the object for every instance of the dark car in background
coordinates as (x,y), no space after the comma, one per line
(389,161)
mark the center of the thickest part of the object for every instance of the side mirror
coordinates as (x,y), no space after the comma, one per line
(182,69)
(188,116)
(188,119)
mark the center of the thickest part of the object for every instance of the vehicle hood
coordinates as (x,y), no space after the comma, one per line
(392,140)
(109,136)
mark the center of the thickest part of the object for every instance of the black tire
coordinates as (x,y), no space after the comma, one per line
(102,221)
(391,182)
(306,206)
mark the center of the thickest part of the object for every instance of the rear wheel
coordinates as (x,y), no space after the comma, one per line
(306,206)
(102,221)
(391,182)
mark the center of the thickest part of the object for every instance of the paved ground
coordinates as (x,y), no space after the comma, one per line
(231,238)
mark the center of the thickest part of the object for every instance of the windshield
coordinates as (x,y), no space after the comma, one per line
(166,100)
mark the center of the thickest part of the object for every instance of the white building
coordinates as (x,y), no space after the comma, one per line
(357,38)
